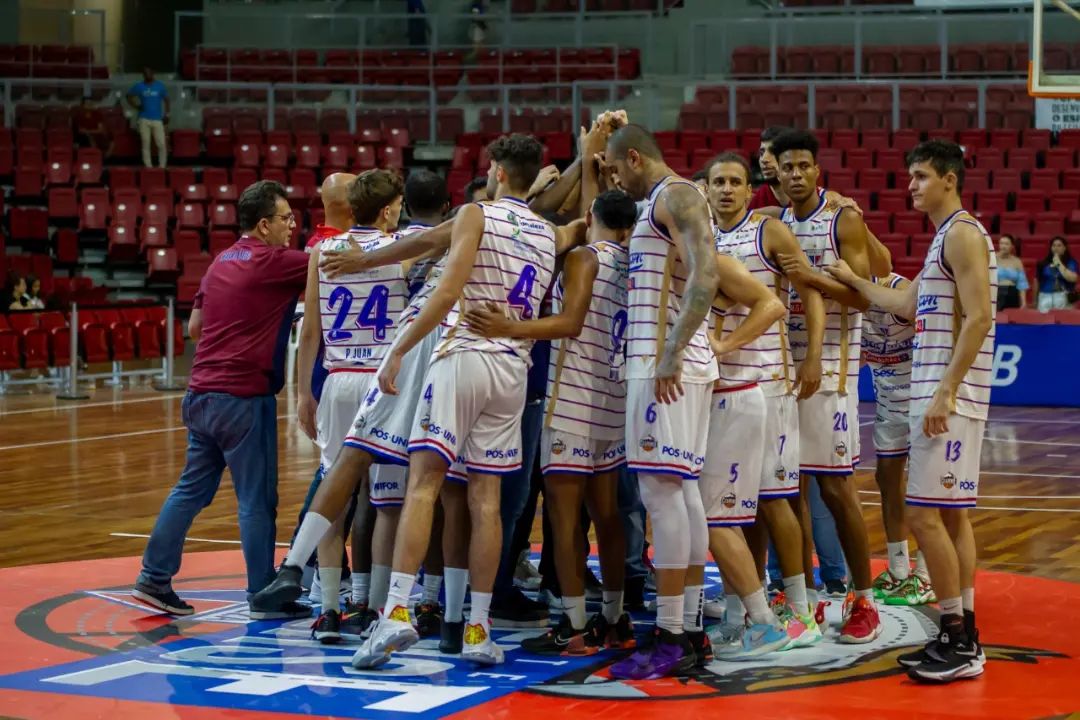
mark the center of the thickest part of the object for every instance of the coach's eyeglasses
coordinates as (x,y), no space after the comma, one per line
(286,218)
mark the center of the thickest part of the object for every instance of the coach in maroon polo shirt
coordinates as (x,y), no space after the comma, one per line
(241,323)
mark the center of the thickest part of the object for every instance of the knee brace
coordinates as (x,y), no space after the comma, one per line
(663,499)
(698,525)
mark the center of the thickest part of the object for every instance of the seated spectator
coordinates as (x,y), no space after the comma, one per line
(1057,277)
(34,298)
(15,295)
(1012,280)
(90,126)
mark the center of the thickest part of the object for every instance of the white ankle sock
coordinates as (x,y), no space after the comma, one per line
(952,606)
(669,613)
(432,586)
(613,608)
(795,592)
(757,607)
(380,586)
(479,608)
(361,586)
(399,591)
(312,530)
(899,561)
(330,579)
(967,595)
(735,608)
(574,608)
(457,581)
(868,593)
(693,598)
(920,566)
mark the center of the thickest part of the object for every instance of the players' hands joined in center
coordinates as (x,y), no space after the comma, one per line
(544,178)
(842,272)
(488,321)
(343,262)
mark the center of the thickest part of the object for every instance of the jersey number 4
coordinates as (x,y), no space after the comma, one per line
(521,292)
(373,315)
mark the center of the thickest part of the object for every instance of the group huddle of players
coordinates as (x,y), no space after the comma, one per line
(711,350)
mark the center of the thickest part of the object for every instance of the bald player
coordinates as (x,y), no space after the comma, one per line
(336,220)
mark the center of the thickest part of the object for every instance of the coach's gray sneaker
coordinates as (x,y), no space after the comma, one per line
(286,611)
(283,590)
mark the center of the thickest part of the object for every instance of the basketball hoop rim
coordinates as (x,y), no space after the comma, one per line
(1045,92)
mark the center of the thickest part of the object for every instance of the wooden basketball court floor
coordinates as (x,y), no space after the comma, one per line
(83,481)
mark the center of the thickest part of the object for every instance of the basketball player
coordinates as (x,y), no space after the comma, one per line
(754,432)
(952,305)
(356,339)
(473,394)
(338,217)
(670,372)
(829,420)
(582,443)
(886,349)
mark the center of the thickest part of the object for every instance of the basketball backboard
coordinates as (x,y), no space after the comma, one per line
(1054,69)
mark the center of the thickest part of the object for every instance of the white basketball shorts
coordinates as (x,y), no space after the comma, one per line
(780,455)
(342,394)
(731,478)
(828,430)
(667,439)
(943,471)
(564,452)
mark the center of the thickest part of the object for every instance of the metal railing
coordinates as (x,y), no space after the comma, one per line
(656,103)
(713,41)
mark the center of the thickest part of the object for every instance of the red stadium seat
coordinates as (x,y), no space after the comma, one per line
(162,266)
(246,155)
(88,166)
(158,208)
(185,145)
(276,155)
(223,216)
(152,179)
(123,243)
(127,207)
(193,193)
(187,242)
(63,204)
(190,215)
(94,210)
(153,236)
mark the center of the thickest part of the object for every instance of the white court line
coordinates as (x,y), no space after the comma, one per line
(1004,497)
(1056,455)
(1034,422)
(113,436)
(988,438)
(1007,509)
(58,408)
(190,539)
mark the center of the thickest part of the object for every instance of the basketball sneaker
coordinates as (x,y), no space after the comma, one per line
(603,635)
(166,600)
(428,618)
(562,639)
(514,610)
(819,615)
(726,635)
(703,651)
(390,633)
(801,628)
(862,624)
(668,654)
(357,619)
(327,628)
(953,659)
(929,652)
(479,647)
(714,607)
(526,576)
(885,584)
(911,591)
(451,636)
(835,588)
(287,611)
(754,641)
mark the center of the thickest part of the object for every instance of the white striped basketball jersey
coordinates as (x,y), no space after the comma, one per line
(421,268)
(937,323)
(886,349)
(767,360)
(586,393)
(359,310)
(657,273)
(843,325)
(514,265)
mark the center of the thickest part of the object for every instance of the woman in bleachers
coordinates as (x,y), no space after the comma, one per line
(1012,280)
(34,298)
(1057,274)
(15,292)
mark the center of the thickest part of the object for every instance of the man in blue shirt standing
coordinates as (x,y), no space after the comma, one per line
(151,99)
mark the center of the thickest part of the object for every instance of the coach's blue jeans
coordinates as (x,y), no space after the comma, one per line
(515,492)
(633,514)
(223,431)
(826,541)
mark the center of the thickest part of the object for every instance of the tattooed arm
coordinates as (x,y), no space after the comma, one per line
(685,213)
